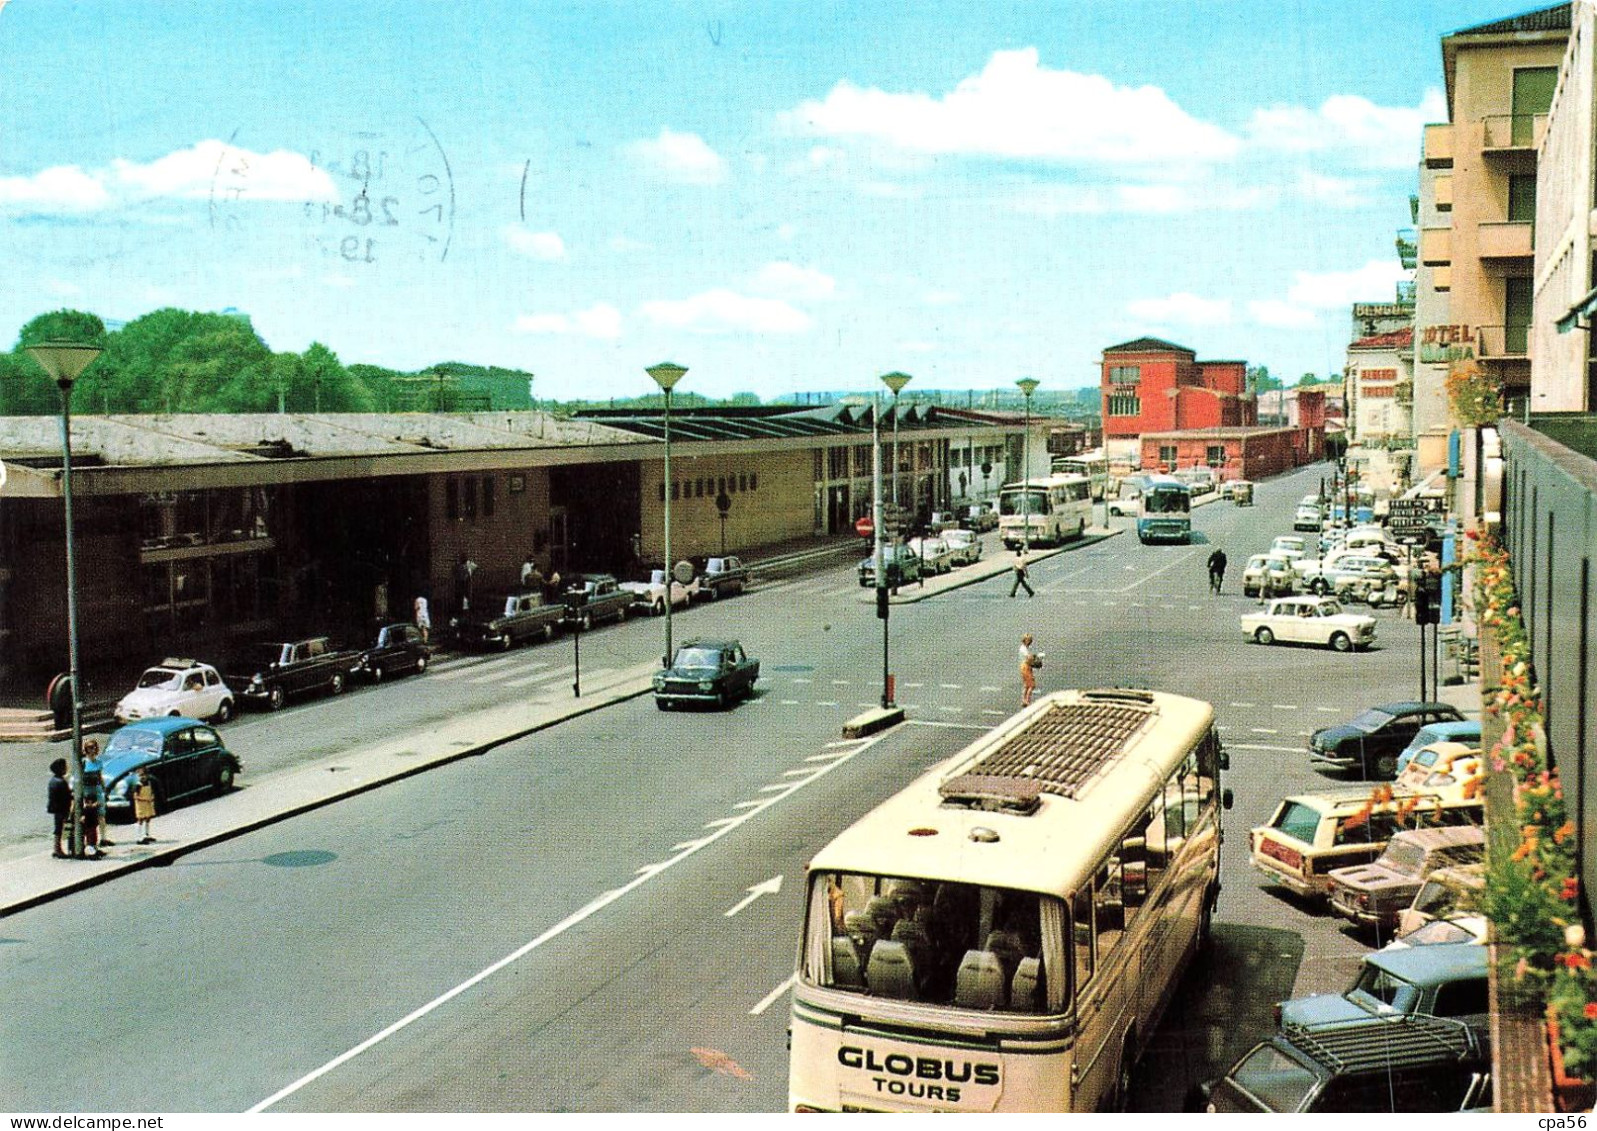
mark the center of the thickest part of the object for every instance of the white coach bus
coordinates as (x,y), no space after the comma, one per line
(1004,934)
(1044,511)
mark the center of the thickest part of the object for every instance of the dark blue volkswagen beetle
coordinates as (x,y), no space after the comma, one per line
(183,757)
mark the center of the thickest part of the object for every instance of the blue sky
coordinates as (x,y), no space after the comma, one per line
(782,197)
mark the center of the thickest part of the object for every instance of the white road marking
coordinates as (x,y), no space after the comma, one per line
(992,688)
(827,703)
(987,711)
(1285,706)
(797,680)
(952,686)
(475,669)
(1280,749)
(769,887)
(952,710)
(558,673)
(840,683)
(1263,730)
(771,998)
(947,726)
(790,702)
(914,685)
(1244,704)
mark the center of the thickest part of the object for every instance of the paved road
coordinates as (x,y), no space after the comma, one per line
(589,869)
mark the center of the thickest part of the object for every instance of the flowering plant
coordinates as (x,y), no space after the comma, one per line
(1531,895)
(1475,396)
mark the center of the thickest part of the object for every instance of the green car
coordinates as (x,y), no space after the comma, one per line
(706,671)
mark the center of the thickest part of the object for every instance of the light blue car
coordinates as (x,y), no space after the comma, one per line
(1468,731)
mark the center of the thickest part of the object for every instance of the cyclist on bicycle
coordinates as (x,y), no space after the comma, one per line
(1216,569)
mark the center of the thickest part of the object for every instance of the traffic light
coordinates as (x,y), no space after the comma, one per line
(1428,600)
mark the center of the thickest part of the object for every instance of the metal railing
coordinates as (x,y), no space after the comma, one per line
(1514,131)
(1503,341)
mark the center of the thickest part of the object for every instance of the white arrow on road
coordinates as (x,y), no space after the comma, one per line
(769,887)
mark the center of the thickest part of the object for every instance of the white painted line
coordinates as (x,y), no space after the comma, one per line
(685,845)
(946,726)
(475,669)
(914,685)
(558,673)
(1263,730)
(748,804)
(844,742)
(775,995)
(722,822)
(840,683)
(827,703)
(790,702)
(1332,710)
(831,756)
(992,688)
(516,955)
(1244,704)
(1285,706)
(797,773)
(797,680)
(990,711)
(1280,749)
(953,710)
(779,787)
(952,686)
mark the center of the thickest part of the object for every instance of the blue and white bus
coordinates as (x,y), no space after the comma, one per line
(1166,511)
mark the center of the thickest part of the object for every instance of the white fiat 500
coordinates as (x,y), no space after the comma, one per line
(178,687)
(1309,620)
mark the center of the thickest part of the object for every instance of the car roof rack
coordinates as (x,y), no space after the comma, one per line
(1402,1041)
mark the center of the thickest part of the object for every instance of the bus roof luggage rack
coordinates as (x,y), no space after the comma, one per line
(1058,751)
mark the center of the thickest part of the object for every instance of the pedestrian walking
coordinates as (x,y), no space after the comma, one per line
(527,570)
(93,801)
(1217,564)
(143,803)
(424,620)
(1030,661)
(58,802)
(464,571)
(1020,576)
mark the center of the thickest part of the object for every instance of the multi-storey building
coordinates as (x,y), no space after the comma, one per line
(1379,387)
(1477,209)
(1150,385)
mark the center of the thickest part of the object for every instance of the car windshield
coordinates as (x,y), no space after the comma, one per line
(1166,500)
(697,658)
(1277,1081)
(1381,992)
(1372,720)
(160,677)
(1403,857)
(1439,931)
(128,741)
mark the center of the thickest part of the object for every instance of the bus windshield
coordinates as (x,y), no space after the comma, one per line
(1023,502)
(937,943)
(1166,500)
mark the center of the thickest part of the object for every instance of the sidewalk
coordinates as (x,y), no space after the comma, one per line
(29,875)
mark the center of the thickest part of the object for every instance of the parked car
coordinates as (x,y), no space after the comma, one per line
(594,597)
(184,757)
(1309,620)
(1441,981)
(1470,929)
(1273,568)
(1290,546)
(1200,479)
(723,577)
(1342,566)
(963,545)
(510,619)
(1310,835)
(1461,730)
(941,521)
(706,671)
(899,567)
(270,673)
(650,595)
(934,554)
(1369,743)
(1376,894)
(1443,764)
(1403,1063)
(1450,893)
(399,648)
(1307,518)
(177,686)
(1127,499)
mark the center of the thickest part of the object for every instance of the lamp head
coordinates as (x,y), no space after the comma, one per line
(896,381)
(64,361)
(1028,386)
(666,374)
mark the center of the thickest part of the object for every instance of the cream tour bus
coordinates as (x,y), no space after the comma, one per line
(1004,934)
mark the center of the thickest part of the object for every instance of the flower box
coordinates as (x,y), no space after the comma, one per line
(1570,1093)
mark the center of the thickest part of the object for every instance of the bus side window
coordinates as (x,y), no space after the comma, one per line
(1134,881)
(1081,916)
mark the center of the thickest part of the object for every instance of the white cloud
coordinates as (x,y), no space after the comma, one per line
(1281,315)
(1017,109)
(1361,132)
(1181,308)
(684,158)
(214,166)
(1332,191)
(722,311)
(547,246)
(786,232)
(1330,290)
(790,281)
(599,321)
(61,188)
(1140,199)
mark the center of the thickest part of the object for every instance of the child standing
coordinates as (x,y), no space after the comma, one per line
(143,804)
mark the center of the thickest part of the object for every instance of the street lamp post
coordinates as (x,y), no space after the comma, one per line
(1028,386)
(65,362)
(895,382)
(882,603)
(666,375)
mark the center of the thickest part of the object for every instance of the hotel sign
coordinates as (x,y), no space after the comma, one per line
(1446,343)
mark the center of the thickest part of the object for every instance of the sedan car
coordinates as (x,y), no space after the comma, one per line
(963,545)
(1468,731)
(1271,571)
(1369,744)
(183,757)
(706,671)
(399,648)
(1307,518)
(178,687)
(1446,980)
(1309,620)
(934,553)
(899,567)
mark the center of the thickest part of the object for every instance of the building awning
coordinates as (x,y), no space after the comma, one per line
(1579,316)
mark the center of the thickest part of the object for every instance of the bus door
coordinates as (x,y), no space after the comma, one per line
(1105,1003)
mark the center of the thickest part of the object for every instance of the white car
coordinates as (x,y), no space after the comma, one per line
(177,687)
(1275,567)
(650,594)
(1309,620)
(934,553)
(1343,566)
(963,545)
(1307,517)
(1289,546)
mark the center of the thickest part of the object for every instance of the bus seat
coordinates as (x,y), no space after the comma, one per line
(891,972)
(884,910)
(862,929)
(915,940)
(846,969)
(1026,994)
(1006,945)
(979,983)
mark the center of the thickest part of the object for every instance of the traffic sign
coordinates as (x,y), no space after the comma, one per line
(864,527)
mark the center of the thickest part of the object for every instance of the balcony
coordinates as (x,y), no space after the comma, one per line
(1439,145)
(1503,343)
(1509,132)
(1505,241)
(1407,249)
(1442,194)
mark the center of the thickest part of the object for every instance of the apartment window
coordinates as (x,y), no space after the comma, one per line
(676,492)
(837,463)
(487,496)
(1533,96)
(471,498)
(452,499)
(818,465)
(1123,405)
(754,481)
(743,482)
(1522,198)
(1167,455)
(862,459)
(1214,455)
(1125,374)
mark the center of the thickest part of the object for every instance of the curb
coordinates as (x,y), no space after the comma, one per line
(872,721)
(108,870)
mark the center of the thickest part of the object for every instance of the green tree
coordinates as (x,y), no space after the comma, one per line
(1260,381)
(63,326)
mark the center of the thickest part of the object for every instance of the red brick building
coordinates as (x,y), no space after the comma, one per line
(1150,385)
(1249,452)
